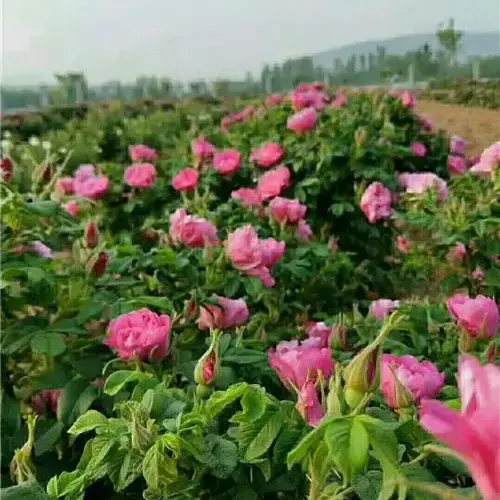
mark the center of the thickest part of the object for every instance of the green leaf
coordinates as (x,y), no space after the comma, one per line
(49,343)
(219,400)
(71,393)
(359,444)
(305,445)
(43,208)
(118,380)
(158,468)
(29,491)
(48,439)
(266,436)
(367,486)
(88,422)
(162,303)
(242,356)
(338,439)
(220,455)
(253,403)
(382,437)
(66,483)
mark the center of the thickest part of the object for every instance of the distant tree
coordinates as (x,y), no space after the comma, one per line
(362,63)
(450,39)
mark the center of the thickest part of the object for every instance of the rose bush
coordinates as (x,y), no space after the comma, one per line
(267,304)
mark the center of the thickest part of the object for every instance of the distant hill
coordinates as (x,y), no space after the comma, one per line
(473,44)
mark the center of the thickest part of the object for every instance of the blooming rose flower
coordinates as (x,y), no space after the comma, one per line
(192,231)
(376,202)
(231,313)
(202,149)
(42,250)
(308,404)
(141,175)
(419,149)
(295,363)
(304,231)
(457,145)
(72,208)
(381,308)
(457,254)
(227,162)
(427,123)
(92,187)
(186,180)
(249,197)
(320,332)
(64,185)
(303,121)
(84,172)
(142,334)
(422,182)
(421,380)
(287,211)
(478,317)
(272,251)
(457,165)
(274,182)
(268,155)
(408,100)
(341,101)
(473,433)
(6,170)
(142,154)
(403,245)
(274,100)
(490,160)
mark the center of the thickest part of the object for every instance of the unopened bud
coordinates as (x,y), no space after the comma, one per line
(91,234)
(208,366)
(360,136)
(335,402)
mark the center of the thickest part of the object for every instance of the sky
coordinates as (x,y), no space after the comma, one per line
(189,39)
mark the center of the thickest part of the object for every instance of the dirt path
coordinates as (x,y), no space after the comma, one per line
(480,127)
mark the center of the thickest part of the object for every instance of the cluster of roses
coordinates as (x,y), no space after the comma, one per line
(482,166)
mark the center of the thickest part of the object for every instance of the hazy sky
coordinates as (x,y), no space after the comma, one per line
(185,39)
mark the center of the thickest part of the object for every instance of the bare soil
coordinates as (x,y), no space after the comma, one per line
(478,126)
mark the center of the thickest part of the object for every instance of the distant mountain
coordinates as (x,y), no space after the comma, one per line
(473,44)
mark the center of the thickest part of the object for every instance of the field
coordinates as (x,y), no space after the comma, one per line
(480,126)
(291,298)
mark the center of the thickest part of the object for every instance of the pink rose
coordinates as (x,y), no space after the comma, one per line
(408,100)
(42,250)
(320,333)
(101,265)
(376,202)
(421,380)
(308,404)
(422,182)
(473,433)
(269,155)
(295,363)
(274,100)
(192,231)
(91,187)
(202,149)
(479,317)
(249,197)
(457,254)
(272,251)
(72,208)
(231,313)
(6,170)
(287,211)
(419,149)
(84,172)
(427,123)
(341,101)
(381,308)
(142,334)
(403,245)
(457,165)
(227,162)
(457,145)
(489,161)
(310,97)
(304,231)
(303,121)
(91,234)
(141,175)
(142,154)
(274,182)
(64,185)
(244,249)
(186,180)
